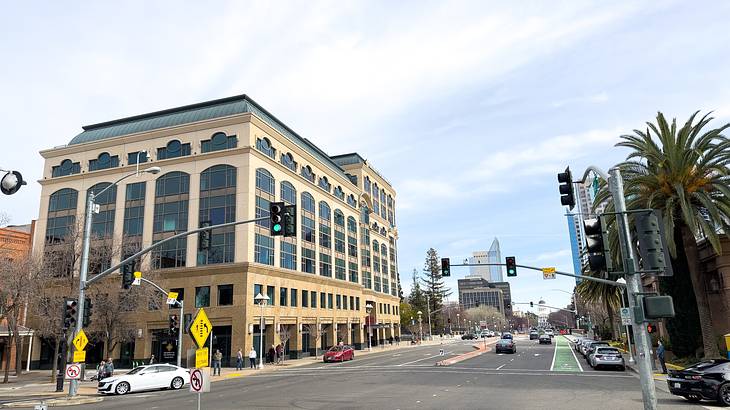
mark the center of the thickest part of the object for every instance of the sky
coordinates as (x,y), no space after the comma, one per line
(470,109)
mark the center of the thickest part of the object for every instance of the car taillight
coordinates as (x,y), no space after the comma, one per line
(695,377)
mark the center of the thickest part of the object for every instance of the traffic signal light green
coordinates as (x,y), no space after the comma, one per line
(276,218)
(445,267)
(511,266)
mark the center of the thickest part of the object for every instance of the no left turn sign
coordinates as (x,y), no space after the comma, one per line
(73,371)
(199,381)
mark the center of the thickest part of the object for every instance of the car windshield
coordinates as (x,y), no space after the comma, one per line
(607,351)
(136,370)
(336,349)
(701,366)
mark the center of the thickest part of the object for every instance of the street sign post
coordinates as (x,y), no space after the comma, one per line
(548,273)
(200,328)
(199,383)
(73,371)
(626,316)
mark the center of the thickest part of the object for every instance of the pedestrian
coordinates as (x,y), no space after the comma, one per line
(252,358)
(152,359)
(109,368)
(660,356)
(239,360)
(397,340)
(272,354)
(280,353)
(217,357)
(100,371)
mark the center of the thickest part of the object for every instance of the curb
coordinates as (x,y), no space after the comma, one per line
(60,402)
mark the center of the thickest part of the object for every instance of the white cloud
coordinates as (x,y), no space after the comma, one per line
(591,99)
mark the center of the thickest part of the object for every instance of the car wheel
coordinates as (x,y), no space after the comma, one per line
(122,388)
(723,394)
(177,383)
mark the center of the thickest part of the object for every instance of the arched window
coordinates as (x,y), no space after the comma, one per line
(104,161)
(366,184)
(264,242)
(288,161)
(219,141)
(307,173)
(288,193)
(173,149)
(324,210)
(67,167)
(351,237)
(383,231)
(340,234)
(351,201)
(325,228)
(308,210)
(339,193)
(102,225)
(61,214)
(376,201)
(217,206)
(264,145)
(172,194)
(376,246)
(324,183)
(307,202)
(339,218)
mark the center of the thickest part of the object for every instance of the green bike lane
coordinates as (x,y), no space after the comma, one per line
(564,358)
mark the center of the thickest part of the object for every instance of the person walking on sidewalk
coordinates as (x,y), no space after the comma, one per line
(660,356)
(280,353)
(217,357)
(252,358)
(100,370)
(239,360)
(152,359)
(109,368)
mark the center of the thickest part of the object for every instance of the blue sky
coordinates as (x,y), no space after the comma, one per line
(468,108)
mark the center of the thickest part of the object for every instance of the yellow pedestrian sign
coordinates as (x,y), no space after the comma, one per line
(548,273)
(200,328)
(80,341)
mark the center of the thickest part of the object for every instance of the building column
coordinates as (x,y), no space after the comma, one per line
(296,341)
(332,334)
(348,333)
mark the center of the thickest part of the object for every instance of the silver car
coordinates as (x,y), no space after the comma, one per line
(607,357)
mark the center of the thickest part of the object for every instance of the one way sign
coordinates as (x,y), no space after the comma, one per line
(200,328)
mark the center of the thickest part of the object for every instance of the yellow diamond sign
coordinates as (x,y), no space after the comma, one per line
(200,328)
(80,341)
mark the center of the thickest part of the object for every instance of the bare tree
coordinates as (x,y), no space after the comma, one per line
(342,333)
(486,313)
(316,331)
(284,332)
(4,219)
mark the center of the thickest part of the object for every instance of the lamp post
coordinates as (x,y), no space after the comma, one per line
(262,300)
(458,321)
(628,335)
(420,325)
(84,267)
(575,305)
(368,309)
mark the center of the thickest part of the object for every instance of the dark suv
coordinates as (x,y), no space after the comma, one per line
(534,335)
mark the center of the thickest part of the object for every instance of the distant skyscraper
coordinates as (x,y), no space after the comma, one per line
(585,195)
(493,255)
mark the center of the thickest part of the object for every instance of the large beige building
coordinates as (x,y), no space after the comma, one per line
(224,161)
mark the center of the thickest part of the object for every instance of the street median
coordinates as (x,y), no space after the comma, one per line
(479,349)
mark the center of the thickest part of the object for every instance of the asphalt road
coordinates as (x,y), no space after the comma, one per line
(409,379)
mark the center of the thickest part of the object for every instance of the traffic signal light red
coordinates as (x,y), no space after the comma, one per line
(651,328)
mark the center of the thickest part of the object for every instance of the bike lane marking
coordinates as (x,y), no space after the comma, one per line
(564,359)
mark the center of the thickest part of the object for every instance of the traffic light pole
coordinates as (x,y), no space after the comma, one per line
(181,322)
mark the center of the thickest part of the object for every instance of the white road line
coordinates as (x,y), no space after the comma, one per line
(555,353)
(419,360)
(576,359)
(501,366)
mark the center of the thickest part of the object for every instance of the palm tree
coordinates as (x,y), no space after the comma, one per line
(597,292)
(684,173)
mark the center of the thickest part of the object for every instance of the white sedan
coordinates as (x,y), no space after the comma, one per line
(150,377)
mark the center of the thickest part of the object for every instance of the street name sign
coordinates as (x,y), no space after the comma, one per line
(548,273)
(137,278)
(200,328)
(201,357)
(80,341)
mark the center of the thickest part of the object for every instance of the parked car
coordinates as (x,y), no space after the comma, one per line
(468,336)
(505,345)
(545,339)
(339,354)
(704,380)
(149,377)
(591,348)
(534,335)
(584,346)
(607,357)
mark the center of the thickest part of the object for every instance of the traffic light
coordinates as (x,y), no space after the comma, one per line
(445,267)
(127,275)
(599,255)
(651,328)
(567,194)
(531,305)
(204,236)
(511,266)
(652,248)
(657,307)
(69,313)
(11,182)
(290,221)
(87,312)
(174,324)
(276,217)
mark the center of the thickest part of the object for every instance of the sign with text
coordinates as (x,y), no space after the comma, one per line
(79,356)
(201,357)
(172,298)
(626,316)
(548,273)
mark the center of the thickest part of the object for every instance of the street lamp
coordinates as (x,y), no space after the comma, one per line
(368,309)
(458,321)
(575,305)
(628,335)
(420,324)
(84,267)
(262,301)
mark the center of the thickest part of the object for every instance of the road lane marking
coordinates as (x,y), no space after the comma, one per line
(564,359)
(419,360)
(501,366)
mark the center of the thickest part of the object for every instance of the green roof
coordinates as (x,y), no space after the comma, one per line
(193,113)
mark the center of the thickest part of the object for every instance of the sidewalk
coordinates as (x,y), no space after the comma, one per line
(35,386)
